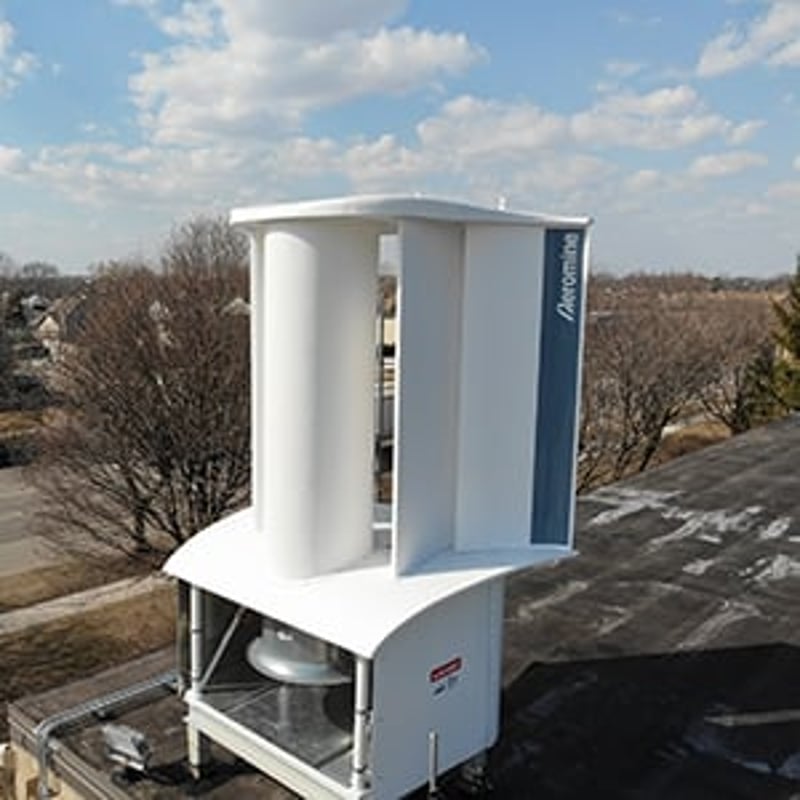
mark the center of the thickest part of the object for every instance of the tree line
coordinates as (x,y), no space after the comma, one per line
(666,350)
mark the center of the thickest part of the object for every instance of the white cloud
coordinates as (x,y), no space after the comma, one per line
(308,156)
(7,34)
(384,163)
(615,74)
(194,21)
(756,209)
(373,165)
(623,69)
(479,147)
(743,133)
(15,65)
(107,174)
(663,119)
(23,64)
(469,128)
(797,163)
(11,160)
(773,38)
(278,62)
(307,19)
(473,146)
(723,164)
(557,174)
(788,56)
(643,180)
(786,190)
(660,102)
(143,4)
(223,111)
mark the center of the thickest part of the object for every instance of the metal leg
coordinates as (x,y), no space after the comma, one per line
(363,689)
(433,766)
(196,745)
(197,751)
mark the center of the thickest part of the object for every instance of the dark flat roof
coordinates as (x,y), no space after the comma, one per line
(662,662)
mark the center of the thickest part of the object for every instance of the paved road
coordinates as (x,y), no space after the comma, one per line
(20,549)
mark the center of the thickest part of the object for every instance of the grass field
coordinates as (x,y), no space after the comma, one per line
(56,653)
(688,439)
(48,582)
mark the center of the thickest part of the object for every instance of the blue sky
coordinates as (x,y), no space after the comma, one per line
(674,124)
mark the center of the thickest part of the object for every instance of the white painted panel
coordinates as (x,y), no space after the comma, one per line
(452,640)
(494,654)
(312,394)
(381,208)
(353,608)
(426,405)
(501,312)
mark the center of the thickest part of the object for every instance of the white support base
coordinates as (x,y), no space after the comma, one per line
(268,757)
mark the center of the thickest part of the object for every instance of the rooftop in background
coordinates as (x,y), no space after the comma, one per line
(662,662)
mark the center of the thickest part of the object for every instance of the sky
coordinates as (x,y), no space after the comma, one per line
(674,124)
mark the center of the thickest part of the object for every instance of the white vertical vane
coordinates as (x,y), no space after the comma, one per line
(314,305)
(426,420)
(499,375)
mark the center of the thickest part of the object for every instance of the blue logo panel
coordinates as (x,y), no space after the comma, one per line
(562,316)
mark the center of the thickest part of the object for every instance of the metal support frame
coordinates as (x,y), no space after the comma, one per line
(361,723)
(203,721)
(221,647)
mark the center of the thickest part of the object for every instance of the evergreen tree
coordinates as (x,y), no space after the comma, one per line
(763,396)
(787,335)
(788,314)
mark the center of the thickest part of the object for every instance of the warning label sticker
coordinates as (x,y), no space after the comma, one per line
(445,676)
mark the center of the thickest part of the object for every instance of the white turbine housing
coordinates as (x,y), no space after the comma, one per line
(490,318)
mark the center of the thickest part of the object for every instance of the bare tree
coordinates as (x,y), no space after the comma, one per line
(599,427)
(7,265)
(645,364)
(204,244)
(38,270)
(153,441)
(737,331)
